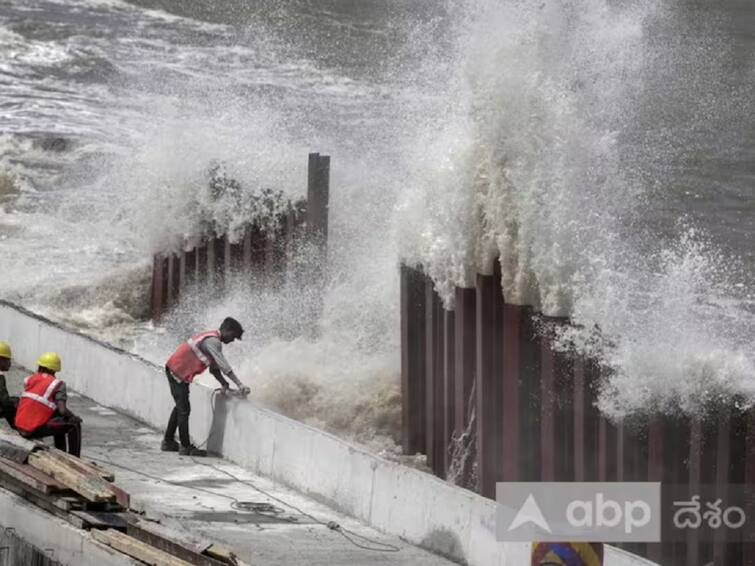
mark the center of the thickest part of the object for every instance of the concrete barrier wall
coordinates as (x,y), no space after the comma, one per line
(396,499)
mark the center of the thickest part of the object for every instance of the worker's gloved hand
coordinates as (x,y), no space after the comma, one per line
(244,391)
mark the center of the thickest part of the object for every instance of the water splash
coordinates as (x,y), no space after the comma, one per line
(557,158)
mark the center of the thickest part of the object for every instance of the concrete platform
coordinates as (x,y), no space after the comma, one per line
(195,497)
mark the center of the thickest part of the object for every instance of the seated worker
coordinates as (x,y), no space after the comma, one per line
(191,358)
(8,404)
(42,410)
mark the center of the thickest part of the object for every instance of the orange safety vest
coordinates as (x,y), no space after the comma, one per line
(37,402)
(188,361)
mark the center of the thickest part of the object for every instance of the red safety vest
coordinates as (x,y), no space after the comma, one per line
(37,402)
(188,361)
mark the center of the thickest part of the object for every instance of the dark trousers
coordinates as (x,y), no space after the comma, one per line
(8,404)
(8,410)
(179,418)
(61,429)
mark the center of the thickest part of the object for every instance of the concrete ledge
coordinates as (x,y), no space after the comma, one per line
(56,538)
(421,508)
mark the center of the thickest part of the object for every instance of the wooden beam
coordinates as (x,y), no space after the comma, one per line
(29,476)
(82,465)
(90,487)
(174,542)
(137,549)
(221,553)
(15,448)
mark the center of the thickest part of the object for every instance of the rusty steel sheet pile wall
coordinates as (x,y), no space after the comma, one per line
(488,370)
(261,251)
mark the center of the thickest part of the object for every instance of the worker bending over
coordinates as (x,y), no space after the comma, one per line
(8,404)
(42,410)
(193,357)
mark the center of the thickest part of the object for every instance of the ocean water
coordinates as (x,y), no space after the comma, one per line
(605,151)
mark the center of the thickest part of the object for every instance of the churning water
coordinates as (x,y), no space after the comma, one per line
(605,151)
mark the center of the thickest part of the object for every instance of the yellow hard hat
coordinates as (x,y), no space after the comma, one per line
(49,360)
(5,350)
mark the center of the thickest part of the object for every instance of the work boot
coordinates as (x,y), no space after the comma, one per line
(169,446)
(191,450)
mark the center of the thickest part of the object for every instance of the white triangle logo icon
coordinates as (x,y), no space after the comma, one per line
(530,513)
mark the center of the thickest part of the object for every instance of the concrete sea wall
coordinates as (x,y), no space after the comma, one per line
(419,507)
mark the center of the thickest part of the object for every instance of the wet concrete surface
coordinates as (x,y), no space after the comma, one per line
(198,498)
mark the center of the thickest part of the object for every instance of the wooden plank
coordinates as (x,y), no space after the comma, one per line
(14,447)
(173,542)
(29,476)
(222,553)
(69,503)
(82,465)
(137,549)
(91,487)
(122,497)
